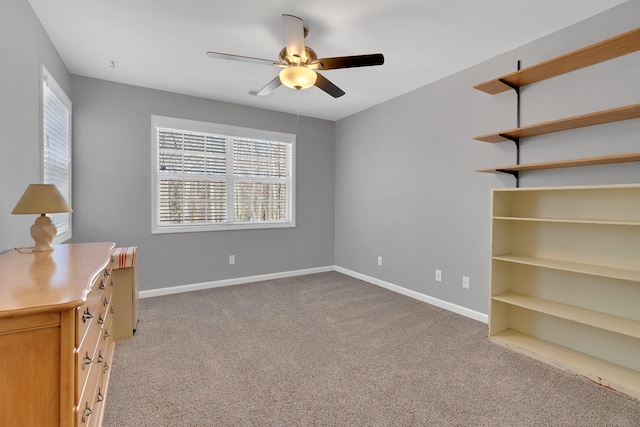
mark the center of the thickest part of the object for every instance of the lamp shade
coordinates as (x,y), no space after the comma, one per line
(298,77)
(41,199)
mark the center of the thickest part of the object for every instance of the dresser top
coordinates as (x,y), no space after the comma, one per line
(50,281)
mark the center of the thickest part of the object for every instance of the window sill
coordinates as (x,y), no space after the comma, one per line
(165,229)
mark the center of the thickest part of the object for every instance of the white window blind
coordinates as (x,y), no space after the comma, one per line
(56,147)
(215,177)
(261,177)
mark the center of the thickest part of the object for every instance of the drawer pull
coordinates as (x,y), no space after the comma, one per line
(106,334)
(113,259)
(106,302)
(102,286)
(105,368)
(112,284)
(87,411)
(87,360)
(86,315)
(100,396)
(106,273)
(112,310)
(100,358)
(100,319)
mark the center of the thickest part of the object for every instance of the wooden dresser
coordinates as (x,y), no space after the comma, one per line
(55,347)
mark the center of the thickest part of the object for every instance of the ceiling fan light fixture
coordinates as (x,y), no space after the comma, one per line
(298,77)
(299,62)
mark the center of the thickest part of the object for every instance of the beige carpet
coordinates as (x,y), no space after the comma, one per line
(330,350)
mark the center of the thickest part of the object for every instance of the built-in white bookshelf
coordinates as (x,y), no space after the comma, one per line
(565,279)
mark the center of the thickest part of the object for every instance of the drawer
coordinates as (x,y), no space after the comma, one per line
(86,313)
(98,412)
(98,404)
(105,303)
(86,359)
(105,314)
(105,349)
(106,275)
(88,406)
(100,311)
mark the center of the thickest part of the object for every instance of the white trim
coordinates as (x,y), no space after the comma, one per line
(458,309)
(230,282)
(221,129)
(46,77)
(196,228)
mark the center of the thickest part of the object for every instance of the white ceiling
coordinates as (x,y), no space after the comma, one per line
(162,44)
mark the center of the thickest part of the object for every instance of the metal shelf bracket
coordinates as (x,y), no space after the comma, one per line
(516,174)
(510,138)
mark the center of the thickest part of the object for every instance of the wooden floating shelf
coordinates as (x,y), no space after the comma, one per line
(601,117)
(591,161)
(605,50)
(620,325)
(598,52)
(600,371)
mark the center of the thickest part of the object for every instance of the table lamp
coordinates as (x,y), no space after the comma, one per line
(42,199)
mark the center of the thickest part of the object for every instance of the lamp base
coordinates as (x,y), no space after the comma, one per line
(42,232)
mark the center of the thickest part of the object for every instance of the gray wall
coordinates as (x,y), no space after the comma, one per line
(23,47)
(112,187)
(402,171)
(406,188)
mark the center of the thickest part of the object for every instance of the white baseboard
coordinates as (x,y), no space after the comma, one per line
(458,309)
(230,282)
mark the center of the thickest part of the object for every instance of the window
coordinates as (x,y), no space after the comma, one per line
(208,176)
(56,147)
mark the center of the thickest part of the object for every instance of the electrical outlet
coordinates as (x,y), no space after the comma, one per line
(232,259)
(438,275)
(465,282)
(379,260)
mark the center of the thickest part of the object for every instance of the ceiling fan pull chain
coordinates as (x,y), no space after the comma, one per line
(298,108)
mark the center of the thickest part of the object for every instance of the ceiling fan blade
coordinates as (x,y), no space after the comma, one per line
(328,87)
(348,61)
(241,58)
(293,36)
(269,87)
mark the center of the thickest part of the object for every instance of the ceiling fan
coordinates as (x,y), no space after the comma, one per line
(299,62)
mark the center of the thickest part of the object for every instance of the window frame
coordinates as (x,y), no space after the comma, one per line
(46,79)
(229,132)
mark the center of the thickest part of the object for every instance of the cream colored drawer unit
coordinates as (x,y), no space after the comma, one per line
(125,293)
(55,347)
